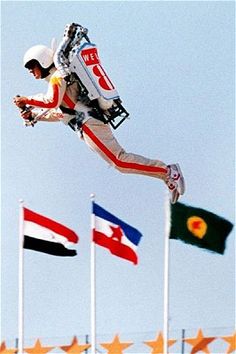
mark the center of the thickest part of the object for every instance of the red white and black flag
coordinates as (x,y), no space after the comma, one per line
(48,236)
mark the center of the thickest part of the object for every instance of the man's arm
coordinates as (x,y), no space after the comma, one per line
(43,116)
(50,116)
(52,99)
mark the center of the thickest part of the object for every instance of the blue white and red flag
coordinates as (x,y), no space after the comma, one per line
(114,234)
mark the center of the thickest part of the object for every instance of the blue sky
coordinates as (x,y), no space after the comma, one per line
(173,65)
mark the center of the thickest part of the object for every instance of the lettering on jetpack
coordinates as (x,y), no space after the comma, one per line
(91,58)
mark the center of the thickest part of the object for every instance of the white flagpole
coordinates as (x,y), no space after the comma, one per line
(93,283)
(166,276)
(21,280)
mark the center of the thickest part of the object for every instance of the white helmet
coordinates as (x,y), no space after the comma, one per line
(41,53)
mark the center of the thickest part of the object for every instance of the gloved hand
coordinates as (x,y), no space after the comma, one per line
(27,115)
(29,118)
(30,123)
(20,101)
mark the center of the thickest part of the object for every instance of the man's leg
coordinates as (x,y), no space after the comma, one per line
(100,138)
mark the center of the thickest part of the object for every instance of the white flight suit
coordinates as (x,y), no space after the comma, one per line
(95,133)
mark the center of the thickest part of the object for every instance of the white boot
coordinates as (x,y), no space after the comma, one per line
(175,182)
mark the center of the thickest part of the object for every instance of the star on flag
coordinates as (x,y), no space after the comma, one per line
(116,233)
(200,343)
(116,347)
(157,345)
(75,347)
(38,349)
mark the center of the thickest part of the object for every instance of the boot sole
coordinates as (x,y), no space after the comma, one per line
(181,181)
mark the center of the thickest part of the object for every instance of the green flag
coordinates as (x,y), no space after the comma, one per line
(199,227)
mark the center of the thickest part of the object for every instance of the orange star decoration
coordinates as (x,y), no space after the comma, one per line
(199,343)
(75,347)
(4,350)
(38,349)
(157,345)
(232,342)
(116,347)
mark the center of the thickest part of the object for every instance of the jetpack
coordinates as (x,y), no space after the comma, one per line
(77,59)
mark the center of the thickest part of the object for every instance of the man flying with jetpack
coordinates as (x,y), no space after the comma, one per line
(81,95)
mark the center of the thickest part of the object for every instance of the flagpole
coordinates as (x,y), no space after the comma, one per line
(93,282)
(166,276)
(21,280)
